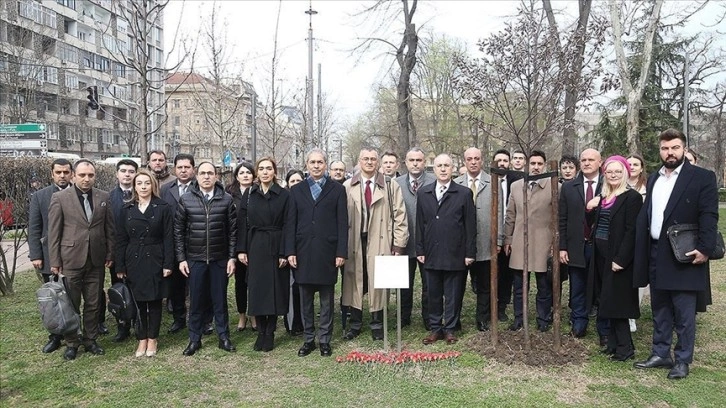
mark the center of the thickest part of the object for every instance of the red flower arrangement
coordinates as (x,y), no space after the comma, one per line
(395,358)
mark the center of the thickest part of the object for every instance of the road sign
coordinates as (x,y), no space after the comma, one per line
(23,153)
(23,144)
(23,128)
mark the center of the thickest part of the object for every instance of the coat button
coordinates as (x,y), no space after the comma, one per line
(437,217)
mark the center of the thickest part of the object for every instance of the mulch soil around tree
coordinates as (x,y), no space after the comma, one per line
(510,349)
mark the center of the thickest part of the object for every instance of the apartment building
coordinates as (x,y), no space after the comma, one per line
(52,52)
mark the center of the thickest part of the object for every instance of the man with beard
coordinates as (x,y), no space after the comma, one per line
(61,172)
(337,171)
(679,193)
(157,164)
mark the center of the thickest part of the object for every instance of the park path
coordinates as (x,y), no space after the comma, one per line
(23,260)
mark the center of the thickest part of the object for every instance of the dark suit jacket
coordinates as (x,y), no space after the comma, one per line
(38,226)
(694,200)
(446,233)
(71,236)
(409,200)
(318,232)
(572,219)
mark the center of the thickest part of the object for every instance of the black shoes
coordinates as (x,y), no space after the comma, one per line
(619,357)
(502,315)
(102,329)
(268,342)
(53,344)
(377,334)
(192,348)
(258,343)
(70,353)
(325,350)
(308,348)
(351,334)
(94,348)
(177,325)
(679,370)
(543,327)
(654,362)
(578,333)
(208,329)
(482,326)
(516,325)
(123,333)
(226,345)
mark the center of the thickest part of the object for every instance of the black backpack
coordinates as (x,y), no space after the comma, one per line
(121,302)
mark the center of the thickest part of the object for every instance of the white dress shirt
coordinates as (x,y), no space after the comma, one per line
(662,190)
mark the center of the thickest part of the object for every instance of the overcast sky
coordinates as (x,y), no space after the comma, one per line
(348,82)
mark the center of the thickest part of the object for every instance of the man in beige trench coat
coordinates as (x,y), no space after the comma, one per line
(377,226)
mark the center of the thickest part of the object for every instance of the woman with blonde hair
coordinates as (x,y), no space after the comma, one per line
(145,255)
(613,214)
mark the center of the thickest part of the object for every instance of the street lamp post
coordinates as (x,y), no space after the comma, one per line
(310,12)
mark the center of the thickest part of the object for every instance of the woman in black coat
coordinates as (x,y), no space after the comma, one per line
(293,318)
(260,245)
(145,255)
(614,214)
(242,178)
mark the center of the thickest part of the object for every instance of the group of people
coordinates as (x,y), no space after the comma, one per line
(161,233)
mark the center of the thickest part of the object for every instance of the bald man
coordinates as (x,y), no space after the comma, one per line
(576,243)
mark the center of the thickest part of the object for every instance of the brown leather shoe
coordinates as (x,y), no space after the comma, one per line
(450,338)
(433,337)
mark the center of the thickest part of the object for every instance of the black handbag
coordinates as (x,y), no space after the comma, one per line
(683,238)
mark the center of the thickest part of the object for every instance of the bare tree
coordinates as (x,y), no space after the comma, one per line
(633,92)
(384,12)
(716,122)
(148,73)
(516,84)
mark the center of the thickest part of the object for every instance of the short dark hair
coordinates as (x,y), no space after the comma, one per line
(538,153)
(502,151)
(127,162)
(390,153)
(161,152)
(81,161)
(520,152)
(670,134)
(568,158)
(184,156)
(60,162)
(293,172)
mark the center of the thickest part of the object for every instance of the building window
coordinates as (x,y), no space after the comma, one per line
(68,3)
(177,121)
(176,103)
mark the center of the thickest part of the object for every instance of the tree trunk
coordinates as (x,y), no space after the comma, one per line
(406,58)
(569,136)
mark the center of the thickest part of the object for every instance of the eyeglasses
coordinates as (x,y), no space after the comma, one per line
(614,172)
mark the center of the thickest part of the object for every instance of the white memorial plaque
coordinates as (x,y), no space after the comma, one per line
(391,272)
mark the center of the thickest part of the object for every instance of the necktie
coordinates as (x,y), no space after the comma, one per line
(589,194)
(442,190)
(182,189)
(315,190)
(368,195)
(127,195)
(207,197)
(87,207)
(505,197)
(472,187)
(531,185)
(414,185)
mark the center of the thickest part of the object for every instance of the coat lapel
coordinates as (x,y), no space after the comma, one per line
(684,178)
(325,191)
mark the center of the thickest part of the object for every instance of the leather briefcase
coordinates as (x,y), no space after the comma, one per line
(683,238)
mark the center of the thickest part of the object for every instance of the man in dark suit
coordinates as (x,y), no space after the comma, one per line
(679,193)
(410,183)
(479,182)
(505,278)
(446,246)
(316,246)
(575,241)
(170,192)
(125,172)
(81,239)
(62,173)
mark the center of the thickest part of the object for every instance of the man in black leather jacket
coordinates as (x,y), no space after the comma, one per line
(205,231)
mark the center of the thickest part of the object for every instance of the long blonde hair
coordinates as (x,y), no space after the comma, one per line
(609,191)
(154,185)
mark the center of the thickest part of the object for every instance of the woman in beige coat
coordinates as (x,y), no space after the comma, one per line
(387,233)
(539,209)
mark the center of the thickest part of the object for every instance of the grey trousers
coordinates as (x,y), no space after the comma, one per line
(307,307)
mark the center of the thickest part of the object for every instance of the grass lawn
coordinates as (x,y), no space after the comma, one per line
(280,378)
